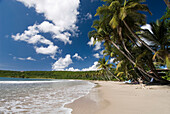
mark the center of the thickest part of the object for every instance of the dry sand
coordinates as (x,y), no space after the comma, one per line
(119,98)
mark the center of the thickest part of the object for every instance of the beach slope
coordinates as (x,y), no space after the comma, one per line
(119,98)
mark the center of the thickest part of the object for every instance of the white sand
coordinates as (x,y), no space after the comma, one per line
(119,98)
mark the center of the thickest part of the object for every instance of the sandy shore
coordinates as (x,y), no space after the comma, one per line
(119,98)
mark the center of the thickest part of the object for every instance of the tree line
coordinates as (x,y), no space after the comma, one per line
(86,75)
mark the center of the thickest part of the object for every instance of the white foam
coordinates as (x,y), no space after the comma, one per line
(25,82)
(28,82)
(53,97)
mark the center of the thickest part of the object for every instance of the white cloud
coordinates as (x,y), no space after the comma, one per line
(72,69)
(101,52)
(111,60)
(96,55)
(31,36)
(63,17)
(77,56)
(62,63)
(89,16)
(30,58)
(97,44)
(92,68)
(90,43)
(50,50)
(148,27)
(23,59)
(61,12)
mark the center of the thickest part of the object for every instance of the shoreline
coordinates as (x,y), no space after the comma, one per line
(118,98)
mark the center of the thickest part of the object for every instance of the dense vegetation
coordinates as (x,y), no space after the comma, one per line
(119,30)
(88,75)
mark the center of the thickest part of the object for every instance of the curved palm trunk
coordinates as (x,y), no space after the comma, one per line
(132,40)
(134,35)
(153,69)
(140,69)
(112,74)
(123,42)
(108,75)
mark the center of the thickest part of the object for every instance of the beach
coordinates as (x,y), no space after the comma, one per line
(119,98)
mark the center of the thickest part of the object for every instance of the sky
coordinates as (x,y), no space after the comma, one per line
(45,35)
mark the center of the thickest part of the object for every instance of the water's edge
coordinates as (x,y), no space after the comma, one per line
(68,103)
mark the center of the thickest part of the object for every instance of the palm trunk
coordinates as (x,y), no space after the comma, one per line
(140,69)
(113,75)
(153,69)
(124,46)
(107,74)
(132,40)
(134,35)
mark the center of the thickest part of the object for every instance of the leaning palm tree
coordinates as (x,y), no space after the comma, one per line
(103,64)
(125,13)
(112,27)
(159,36)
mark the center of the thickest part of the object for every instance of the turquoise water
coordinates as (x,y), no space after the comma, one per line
(40,95)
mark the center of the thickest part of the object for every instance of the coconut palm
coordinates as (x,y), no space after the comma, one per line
(112,27)
(121,12)
(159,36)
(103,64)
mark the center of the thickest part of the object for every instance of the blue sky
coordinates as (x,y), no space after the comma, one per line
(52,34)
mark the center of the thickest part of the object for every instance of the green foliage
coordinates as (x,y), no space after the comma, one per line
(119,29)
(83,75)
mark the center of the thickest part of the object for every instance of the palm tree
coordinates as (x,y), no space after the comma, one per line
(112,27)
(160,39)
(103,64)
(123,11)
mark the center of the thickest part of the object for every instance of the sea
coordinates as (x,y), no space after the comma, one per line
(40,96)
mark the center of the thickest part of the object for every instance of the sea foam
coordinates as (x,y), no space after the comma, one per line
(41,96)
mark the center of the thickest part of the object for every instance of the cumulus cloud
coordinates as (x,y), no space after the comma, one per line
(91,68)
(97,44)
(61,12)
(51,50)
(23,59)
(77,56)
(96,55)
(61,18)
(62,63)
(72,69)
